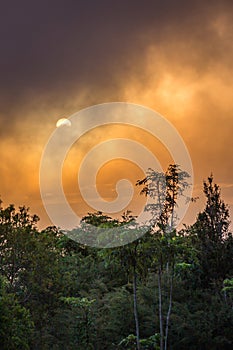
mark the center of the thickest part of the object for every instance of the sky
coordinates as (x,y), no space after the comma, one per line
(58,57)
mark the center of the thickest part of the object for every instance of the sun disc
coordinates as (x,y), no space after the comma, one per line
(63,122)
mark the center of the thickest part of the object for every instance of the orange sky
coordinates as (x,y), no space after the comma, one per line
(175,60)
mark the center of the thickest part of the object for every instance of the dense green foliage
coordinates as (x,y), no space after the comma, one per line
(57,294)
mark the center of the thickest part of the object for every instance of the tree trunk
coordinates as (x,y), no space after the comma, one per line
(168,313)
(87,327)
(135,307)
(160,309)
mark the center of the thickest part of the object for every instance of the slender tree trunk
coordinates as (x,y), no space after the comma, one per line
(168,313)
(160,308)
(135,307)
(87,327)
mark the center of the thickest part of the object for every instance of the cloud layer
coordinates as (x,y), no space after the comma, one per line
(58,57)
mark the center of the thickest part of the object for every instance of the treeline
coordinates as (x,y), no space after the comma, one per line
(167,290)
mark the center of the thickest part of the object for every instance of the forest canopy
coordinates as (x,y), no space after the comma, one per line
(169,289)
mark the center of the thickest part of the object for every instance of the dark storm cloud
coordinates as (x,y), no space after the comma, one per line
(53,49)
(64,44)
